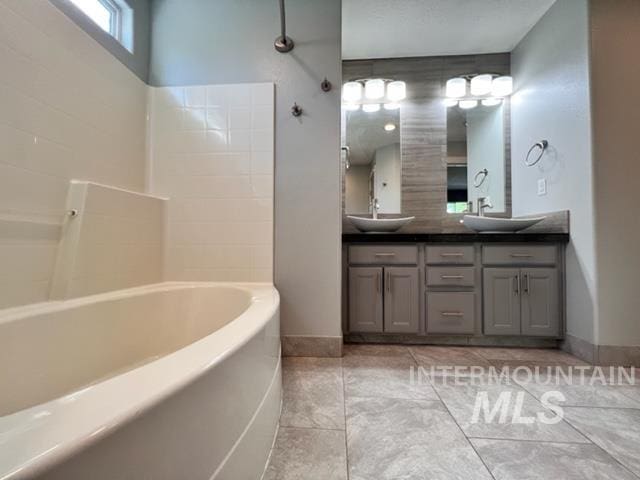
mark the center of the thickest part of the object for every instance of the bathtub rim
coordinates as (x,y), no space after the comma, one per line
(35,439)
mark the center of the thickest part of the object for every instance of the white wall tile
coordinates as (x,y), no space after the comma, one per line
(120,242)
(220,215)
(69,110)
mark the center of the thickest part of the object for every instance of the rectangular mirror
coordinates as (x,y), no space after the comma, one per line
(373,161)
(476,158)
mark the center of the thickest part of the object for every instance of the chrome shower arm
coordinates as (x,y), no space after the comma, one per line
(283,43)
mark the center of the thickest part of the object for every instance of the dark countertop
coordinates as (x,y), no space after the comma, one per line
(455,237)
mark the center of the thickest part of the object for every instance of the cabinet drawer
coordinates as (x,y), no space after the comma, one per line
(383,255)
(450,312)
(519,255)
(451,276)
(454,254)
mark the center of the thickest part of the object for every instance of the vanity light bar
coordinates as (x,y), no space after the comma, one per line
(480,86)
(387,92)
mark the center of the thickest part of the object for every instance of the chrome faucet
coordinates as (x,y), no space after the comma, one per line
(375,206)
(483,202)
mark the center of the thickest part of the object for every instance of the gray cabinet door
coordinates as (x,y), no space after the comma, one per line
(365,299)
(401,300)
(540,302)
(501,301)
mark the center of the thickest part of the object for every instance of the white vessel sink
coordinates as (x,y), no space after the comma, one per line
(365,224)
(492,224)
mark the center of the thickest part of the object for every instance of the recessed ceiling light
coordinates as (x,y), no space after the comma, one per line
(390,127)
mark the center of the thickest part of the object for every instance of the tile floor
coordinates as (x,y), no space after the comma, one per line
(362,417)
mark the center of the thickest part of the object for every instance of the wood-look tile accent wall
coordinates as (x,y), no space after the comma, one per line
(423,129)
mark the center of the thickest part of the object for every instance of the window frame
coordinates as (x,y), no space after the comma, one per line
(121,14)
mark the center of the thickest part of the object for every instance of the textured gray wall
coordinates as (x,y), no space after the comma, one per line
(231,41)
(550,68)
(615,37)
(138,61)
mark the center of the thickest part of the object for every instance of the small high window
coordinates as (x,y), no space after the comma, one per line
(112,16)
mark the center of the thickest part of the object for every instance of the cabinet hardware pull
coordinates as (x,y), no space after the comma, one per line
(453,254)
(378,282)
(451,277)
(385,254)
(452,314)
(388,282)
(526,283)
(517,284)
(521,255)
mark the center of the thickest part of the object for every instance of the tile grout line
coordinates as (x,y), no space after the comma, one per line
(603,449)
(324,429)
(457,424)
(344,407)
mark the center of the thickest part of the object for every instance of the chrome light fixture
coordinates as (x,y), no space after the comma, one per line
(396,91)
(370,107)
(502,86)
(352,92)
(468,104)
(481,84)
(374,89)
(372,93)
(456,87)
(489,89)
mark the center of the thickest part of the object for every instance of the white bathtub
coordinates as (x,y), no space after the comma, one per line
(168,381)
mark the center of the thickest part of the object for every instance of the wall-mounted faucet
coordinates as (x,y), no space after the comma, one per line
(375,207)
(483,202)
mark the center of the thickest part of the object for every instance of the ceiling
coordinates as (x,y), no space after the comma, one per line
(419,28)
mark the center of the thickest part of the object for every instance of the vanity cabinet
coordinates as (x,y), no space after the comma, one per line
(458,289)
(384,299)
(365,299)
(523,296)
(384,289)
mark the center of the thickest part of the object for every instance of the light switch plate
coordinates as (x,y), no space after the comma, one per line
(542,186)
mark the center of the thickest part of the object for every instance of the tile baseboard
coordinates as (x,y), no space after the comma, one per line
(580,348)
(605,355)
(310,346)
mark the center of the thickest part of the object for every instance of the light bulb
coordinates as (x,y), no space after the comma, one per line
(481,85)
(389,127)
(491,102)
(468,104)
(352,92)
(502,86)
(450,102)
(397,91)
(370,107)
(456,87)
(391,106)
(374,89)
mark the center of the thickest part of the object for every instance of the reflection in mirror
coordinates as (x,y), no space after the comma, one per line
(475,158)
(374,168)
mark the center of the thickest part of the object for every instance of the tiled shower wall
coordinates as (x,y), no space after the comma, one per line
(115,241)
(68,109)
(212,153)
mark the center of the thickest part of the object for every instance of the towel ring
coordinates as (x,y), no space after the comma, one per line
(542,145)
(484,172)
